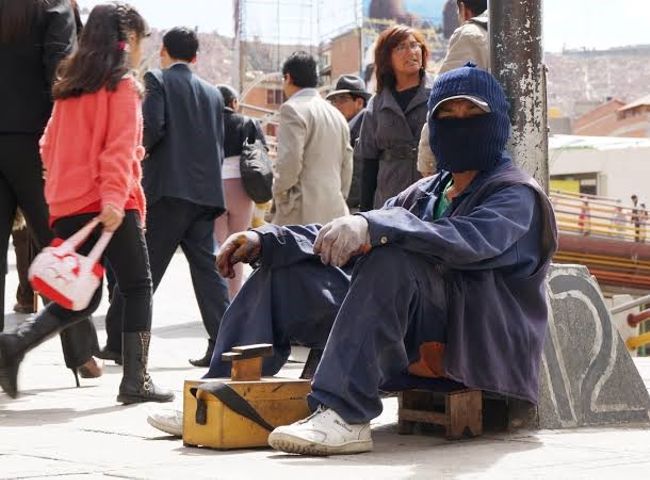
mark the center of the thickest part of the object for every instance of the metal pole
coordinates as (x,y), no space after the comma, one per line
(629,305)
(358,8)
(516,51)
(236,64)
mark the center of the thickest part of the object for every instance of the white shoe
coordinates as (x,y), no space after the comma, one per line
(324,432)
(168,420)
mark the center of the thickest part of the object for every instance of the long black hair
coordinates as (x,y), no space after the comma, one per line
(101,59)
(16,18)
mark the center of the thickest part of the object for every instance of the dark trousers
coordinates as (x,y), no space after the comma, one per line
(371,323)
(172,223)
(127,254)
(21,185)
(25,253)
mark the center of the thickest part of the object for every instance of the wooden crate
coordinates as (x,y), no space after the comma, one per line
(460,413)
(279,401)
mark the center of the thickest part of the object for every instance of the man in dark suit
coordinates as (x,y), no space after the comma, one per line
(183,136)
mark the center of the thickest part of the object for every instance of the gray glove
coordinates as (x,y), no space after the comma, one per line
(341,239)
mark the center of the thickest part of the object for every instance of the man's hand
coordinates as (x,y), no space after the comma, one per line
(111,217)
(342,238)
(239,247)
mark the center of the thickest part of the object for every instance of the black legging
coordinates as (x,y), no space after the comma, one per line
(129,260)
(21,185)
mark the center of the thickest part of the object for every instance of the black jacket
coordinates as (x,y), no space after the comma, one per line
(237,128)
(28,66)
(183,135)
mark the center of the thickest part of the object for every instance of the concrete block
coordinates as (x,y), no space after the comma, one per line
(587,377)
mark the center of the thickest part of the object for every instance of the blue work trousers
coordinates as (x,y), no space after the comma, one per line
(371,324)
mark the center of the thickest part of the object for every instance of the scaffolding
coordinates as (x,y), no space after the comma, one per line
(267,31)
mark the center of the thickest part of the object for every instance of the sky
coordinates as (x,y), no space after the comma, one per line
(571,24)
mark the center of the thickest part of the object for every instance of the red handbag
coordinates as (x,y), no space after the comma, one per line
(66,277)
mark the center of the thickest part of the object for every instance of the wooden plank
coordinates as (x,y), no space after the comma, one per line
(246,370)
(465,412)
(459,412)
(256,350)
(423,416)
(230,356)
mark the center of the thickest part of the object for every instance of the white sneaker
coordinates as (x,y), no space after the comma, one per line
(168,420)
(324,432)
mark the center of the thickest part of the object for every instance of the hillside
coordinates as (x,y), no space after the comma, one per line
(573,77)
(594,76)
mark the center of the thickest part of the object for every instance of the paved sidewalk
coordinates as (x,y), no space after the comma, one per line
(56,430)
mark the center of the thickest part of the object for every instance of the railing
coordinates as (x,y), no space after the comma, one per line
(607,237)
(611,240)
(639,341)
(630,305)
(634,320)
(581,214)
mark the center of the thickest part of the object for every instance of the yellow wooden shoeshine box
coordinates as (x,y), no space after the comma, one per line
(240,412)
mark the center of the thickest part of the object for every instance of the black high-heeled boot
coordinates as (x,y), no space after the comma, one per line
(137,386)
(13,346)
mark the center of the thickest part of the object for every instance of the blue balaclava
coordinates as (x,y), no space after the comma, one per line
(475,143)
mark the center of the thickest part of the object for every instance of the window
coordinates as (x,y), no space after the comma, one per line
(274,96)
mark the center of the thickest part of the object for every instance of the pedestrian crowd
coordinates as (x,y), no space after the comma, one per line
(396,217)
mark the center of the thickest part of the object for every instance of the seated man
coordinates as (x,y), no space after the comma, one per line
(442,286)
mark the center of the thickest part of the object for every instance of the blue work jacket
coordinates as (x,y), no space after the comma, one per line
(494,244)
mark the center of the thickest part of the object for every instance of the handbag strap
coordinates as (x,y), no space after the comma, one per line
(82,234)
(231,399)
(96,253)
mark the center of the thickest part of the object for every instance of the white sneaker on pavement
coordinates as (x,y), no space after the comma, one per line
(168,420)
(324,432)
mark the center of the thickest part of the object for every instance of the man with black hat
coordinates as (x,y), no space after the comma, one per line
(350,98)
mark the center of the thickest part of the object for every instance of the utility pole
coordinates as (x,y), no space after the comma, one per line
(516,51)
(359,21)
(238,70)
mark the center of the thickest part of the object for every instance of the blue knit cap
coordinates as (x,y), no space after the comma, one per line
(476,143)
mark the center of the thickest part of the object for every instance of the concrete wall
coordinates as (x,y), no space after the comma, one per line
(620,171)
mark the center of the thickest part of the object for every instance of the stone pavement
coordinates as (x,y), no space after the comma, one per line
(56,430)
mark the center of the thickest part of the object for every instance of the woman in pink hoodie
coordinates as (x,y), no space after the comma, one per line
(91,150)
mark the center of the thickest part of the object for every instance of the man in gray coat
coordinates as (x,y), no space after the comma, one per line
(313,171)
